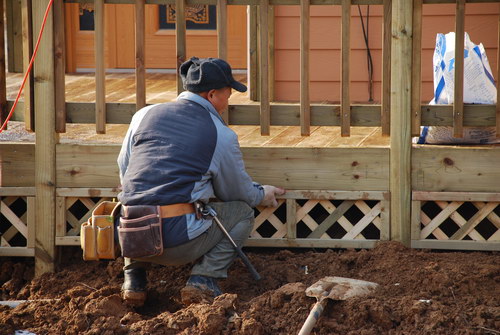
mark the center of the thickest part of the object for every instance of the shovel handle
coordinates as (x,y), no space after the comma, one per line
(313,316)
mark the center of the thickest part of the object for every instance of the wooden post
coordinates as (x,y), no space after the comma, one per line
(46,138)
(458,96)
(100,88)
(265,114)
(345,110)
(29,93)
(60,66)
(385,118)
(140,47)
(400,157)
(416,68)
(222,40)
(180,39)
(3,84)
(305,108)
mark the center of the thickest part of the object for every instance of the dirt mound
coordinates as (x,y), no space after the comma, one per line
(421,292)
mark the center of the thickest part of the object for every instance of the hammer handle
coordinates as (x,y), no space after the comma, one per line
(243,257)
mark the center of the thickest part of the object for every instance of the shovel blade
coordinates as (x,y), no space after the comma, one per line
(340,288)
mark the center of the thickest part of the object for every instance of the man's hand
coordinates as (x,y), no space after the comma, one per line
(270,193)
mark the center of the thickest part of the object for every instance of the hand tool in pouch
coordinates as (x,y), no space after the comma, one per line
(209,213)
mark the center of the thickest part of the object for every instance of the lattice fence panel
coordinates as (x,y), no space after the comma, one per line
(321,219)
(13,221)
(460,220)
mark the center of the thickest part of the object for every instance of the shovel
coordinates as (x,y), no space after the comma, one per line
(335,288)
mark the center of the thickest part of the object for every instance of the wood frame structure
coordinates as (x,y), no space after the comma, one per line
(388,187)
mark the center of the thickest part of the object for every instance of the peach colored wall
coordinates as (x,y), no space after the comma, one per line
(481,23)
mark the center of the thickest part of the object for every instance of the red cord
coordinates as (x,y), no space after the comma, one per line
(29,66)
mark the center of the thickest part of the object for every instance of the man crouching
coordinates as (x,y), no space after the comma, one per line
(174,155)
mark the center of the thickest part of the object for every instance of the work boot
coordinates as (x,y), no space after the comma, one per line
(200,289)
(134,286)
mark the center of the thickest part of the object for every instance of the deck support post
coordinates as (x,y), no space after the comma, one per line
(46,139)
(400,154)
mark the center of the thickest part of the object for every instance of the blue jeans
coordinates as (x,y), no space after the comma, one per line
(215,251)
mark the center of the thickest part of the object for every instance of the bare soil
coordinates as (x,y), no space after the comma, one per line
(420,292)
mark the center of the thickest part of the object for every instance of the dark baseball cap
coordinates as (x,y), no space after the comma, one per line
(205,74)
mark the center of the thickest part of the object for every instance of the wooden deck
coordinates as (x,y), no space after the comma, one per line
(161,87)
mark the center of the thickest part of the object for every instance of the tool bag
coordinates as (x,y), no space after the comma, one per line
(140,231)
(97,235)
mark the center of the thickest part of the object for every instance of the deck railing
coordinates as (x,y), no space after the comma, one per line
(265,113)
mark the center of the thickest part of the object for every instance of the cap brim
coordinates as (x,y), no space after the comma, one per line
(238,86)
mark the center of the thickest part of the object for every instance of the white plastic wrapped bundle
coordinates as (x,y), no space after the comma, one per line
(479,88)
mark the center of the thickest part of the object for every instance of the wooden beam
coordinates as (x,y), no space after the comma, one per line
(46,139)
(3,84)
(265,114)
(31,221)
(456,196)
(17,191)
(305,109)
(17,252)
(222,40)
(334,195)
(180,39)
(100,88)
(456,245)
(286,114)
(320,168)
(400,158)
(59,66)
(29,94)
(456,169)
(458,94)
(140,57)
(87,192)
(416,84)
(345,61)
(385,118)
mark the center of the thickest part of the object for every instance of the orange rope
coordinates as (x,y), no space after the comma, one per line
(29,66)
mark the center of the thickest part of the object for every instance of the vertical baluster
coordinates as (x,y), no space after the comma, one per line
(59,66)
(140,57)
(265,115)
(416,85)
(458,97)
(222,40)
(100,93)
(385,118)
(305,108)
(29,95)
(345,109)
(498,80)
(180,39)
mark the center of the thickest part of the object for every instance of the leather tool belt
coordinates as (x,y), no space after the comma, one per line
(140,228)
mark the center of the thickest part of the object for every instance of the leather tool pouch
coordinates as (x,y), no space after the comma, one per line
(97,234)
(140,231)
